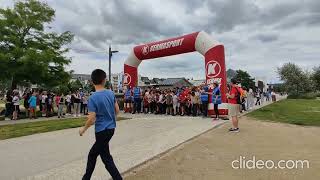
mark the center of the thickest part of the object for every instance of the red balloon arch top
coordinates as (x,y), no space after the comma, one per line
(212,50)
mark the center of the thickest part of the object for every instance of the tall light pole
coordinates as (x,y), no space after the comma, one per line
(110,55)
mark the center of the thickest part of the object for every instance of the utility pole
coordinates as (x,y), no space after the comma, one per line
(110,56)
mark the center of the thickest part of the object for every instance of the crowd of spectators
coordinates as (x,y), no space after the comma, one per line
(48,103)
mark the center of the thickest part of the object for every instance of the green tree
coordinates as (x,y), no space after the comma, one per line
(29,51)
(279,88)
(296,81)
(108,85)
(316,77)
(75,85)
(88,87)
(231,73)
(245,79)
(4,84)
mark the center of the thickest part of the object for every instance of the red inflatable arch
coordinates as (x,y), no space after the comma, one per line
(212,50)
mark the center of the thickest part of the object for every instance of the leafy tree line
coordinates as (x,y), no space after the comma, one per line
(243,77)
(30,53)
(298,81)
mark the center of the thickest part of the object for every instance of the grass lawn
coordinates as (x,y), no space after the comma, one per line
(293,111)
(18,130)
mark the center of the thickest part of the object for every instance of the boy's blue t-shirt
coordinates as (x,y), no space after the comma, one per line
(102,103)
(33,101)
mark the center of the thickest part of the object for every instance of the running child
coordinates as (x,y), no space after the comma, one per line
(103,108)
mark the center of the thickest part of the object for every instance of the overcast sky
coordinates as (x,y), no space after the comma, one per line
(258,35)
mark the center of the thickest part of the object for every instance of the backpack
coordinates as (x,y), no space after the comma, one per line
(238,96)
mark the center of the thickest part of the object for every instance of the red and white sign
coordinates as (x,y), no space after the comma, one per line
(126,79)
(166,45)
(178,45)
(213,69)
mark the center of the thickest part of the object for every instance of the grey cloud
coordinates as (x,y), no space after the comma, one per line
(292,14)
(125,22)
(137,24)
(228,14)
(118,22)
(303,19)
(190,5)
(278,12)
(239,24)
(266,37)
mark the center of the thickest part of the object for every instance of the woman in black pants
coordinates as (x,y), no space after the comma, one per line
(216,99)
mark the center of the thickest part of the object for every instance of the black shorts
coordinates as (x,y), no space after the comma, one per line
(16,107)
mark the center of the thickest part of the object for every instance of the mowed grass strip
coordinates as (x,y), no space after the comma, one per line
(293,111)
(24,129)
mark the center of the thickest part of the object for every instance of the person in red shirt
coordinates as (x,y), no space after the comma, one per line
(183,100)
(234,106)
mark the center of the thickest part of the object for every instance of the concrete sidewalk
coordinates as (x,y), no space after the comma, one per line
(62,154)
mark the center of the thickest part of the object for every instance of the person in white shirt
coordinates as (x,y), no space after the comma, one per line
(250,99)
(16,103)
(68,102)
(175,104)
(160,103)
(85,104)
(76,104)
(43,102)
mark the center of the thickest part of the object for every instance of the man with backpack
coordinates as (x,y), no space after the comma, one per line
(234,100)
(137,100)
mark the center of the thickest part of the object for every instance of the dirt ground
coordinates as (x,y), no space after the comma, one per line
(210,155)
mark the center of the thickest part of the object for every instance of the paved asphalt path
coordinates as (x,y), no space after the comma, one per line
(62,154)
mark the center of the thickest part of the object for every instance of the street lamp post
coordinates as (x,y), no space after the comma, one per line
(110,55)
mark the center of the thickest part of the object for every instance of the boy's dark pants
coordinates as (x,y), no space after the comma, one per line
(101,147)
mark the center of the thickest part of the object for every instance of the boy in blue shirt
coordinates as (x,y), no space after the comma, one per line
(33,105)
(102,111)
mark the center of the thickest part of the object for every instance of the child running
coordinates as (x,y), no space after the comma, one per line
(103,108)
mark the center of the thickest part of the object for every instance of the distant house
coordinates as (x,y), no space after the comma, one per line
(156,81)
(83,78)
(144,81)
(86,78)
(173,83)
(197,82)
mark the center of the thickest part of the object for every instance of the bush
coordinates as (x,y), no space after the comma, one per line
(2,118)
(311,95)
